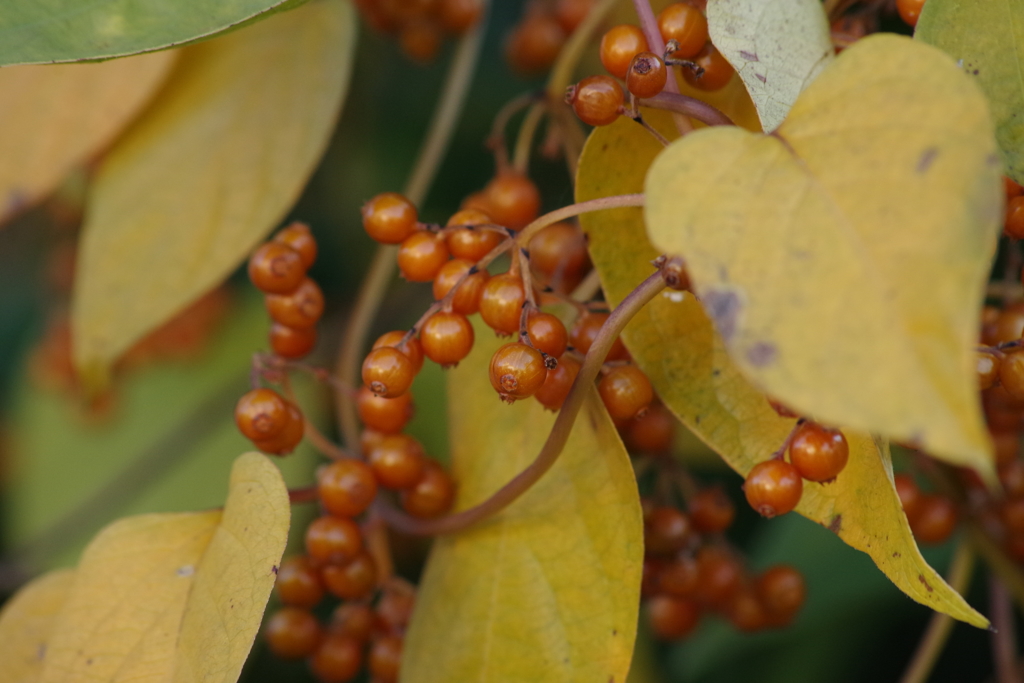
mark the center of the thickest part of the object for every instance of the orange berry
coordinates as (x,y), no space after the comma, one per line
(290,437)
(384,415)
(585,331)
(558,382)
(626,392)
(355,620)
(652,432)
(458,16)
(472,244)
(819,454)
(773,488)
(909,494)
(514,199)
(935,520)
(720,575)
(397,461)
(547,334)
(711,511)
(386,659)
(679,578)
(467,299)
(517,371)
(1011,188)
(346,487)
(717,70)
(261,414)
(987,366)
(411,348)
(394,610)
(1014,224)
(909,10)
(685,24)
(420,40)
(388,372)
(1008,326)
(782,591)
(298,583)
(647,75)
(390,218)
(292,633)
(501,303)
(570,13)
(558,255)
(301,308)
(338,659)
(447,338)
(421,256)
(298,236)
(671,618)
(292,342)
(353,580)
(618,47)
(666,530)
(534,44)
(333,540)
(1011,375)
(745,611)
(432,495)
(597,100)
(276,268)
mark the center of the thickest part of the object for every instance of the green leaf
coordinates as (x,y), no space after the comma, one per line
(34,32)
(776,46)
(987,39)
(844,258)
(218,160)
(548,589)
(674,342)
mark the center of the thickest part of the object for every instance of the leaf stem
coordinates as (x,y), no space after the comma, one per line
(1004,635)
(556,440)
(941,625)
(382,267)
(691,106)
(649,25)
(524,140)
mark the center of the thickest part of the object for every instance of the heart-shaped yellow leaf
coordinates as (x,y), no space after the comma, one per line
(216,162)
(26,623)
(674,343)
(548,590)
(843,258)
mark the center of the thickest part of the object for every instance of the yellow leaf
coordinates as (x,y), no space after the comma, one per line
(26,623)
(549,589)
(776,46)
(175,597)
(844,258)
(53,118)
(218,159)
(673,341)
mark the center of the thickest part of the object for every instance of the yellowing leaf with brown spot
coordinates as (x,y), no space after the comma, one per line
(175,597)
(673,341)
(53,118)
(548,590)
(844,258)
(216,162)
(26,623)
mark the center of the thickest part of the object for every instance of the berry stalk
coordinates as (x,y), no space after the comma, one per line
(690,106)
(649,25)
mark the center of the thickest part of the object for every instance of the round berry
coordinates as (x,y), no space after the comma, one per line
(680,578)
(333,540)
(909,494)
(298,237)
(467,299)
(1011,188)
(909,10)
(288,438)
(684,23)
(501,303)
(1008,326)
(388,372)
(301,308)
(276,268)
(558,382)
(666,530)
(386,659)
(987,366)
(389,218)
(597,100)
(570,13)
(261,414)
(717,70)
(719,574)
(346,487)
(338,659)
(292,633)
(647,75)
(1007,446)
(1011,375)
(711,511)
(514,200)
(397,461)
(447,338)
(585,331)
(547,334)
(652,432)
(534,44)
(384,415)
(1014,224)
(819,454)
(354,620)
(745,611)
(619,45)
(472,244)
(517,371)
(292,342)
(353,580)
(420,39)
(782,591)
(458,16)
(1011,476)
(935,520)
(298,583)
(773,488)
(395,609)
(432,495)
(626,392)
(411,348)
(558,256)
(421,256)
(671,618)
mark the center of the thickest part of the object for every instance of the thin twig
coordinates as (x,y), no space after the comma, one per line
(614,202)
(649,25)
(524,140)
(691,106)
(1004,633)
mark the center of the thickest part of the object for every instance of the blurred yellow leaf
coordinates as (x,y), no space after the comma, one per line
(548,589)
(776,46)
(673,341)
(26,623)
(220,157)
(987,39)
(55,117)
(844,258)
(175,597)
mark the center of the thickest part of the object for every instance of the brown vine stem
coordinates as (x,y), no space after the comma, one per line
(1008,572)
(691,106)
(556,440)
(649,25)
(1004,635)
(382,267)
(940,625)
(614,202)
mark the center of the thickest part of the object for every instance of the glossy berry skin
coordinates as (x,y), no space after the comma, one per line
(432,495)
(411,348)
(261,414)
(558,383)
(570,13)
(684,23)
(388,372)
(301,308)
(819,454)
(276,268)
(745,611)
(647,75)
(298,583)
(472,244)
(619,45)
(467,299)
(597,100)
(988,369)
(935,520)
(338,659)
(517,371)
(909,10)
(1011,375)
(671,618)
(782,591)
(679,578)
(385,659)
(354,620)
(558,256)
(1014,224)
(353,580)
(626,392)
(421,256)
(346,487)
(909,494)
(397,461)
(666,530)
(585,330)
(719,574)
(711,511)
(513,199)
(292,633)
(447,338)
(547,334)
(773,488)
(291,436)
(1009,325)
(717,71)
(652,432)
(384,415)
(292,342)
(333,540)
(534,44)
(501,303)
(298,237)
(1011,188)
(394,610)
(389,218)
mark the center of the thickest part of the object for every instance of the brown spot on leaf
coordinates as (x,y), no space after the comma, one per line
(836,525)
(762,354)
(749,56)
(920,577)
(723,307)
(927,158)
(896,554)
(761,78)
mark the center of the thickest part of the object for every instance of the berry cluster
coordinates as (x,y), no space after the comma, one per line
(420,25)
(625,54)
(534,43)
(293,300)
(932,516)
(274,424)
(816,453)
